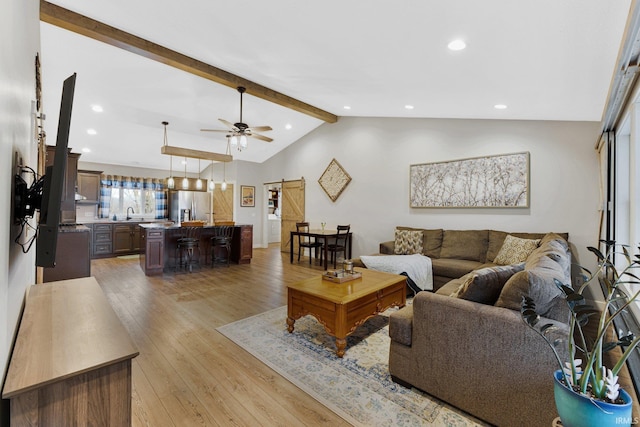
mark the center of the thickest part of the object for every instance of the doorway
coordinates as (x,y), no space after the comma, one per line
(274,203)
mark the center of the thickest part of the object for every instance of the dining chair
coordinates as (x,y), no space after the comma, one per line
(340,243)
(307,242)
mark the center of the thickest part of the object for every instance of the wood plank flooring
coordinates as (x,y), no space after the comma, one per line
(187,374)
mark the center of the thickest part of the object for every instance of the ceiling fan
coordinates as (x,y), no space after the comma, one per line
(238,132)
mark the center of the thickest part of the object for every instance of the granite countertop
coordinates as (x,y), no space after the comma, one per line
(73,228)
(168,225)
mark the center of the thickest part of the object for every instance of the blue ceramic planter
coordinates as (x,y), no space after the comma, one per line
(576,410)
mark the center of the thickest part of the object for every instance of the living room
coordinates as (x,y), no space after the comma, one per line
(565,193)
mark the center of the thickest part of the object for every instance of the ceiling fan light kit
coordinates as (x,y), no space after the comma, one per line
(239,132)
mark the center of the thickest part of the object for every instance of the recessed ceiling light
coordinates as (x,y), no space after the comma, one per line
(92,132)
(408,107)
(86,150)
(500,107)
(184,162)
(288,126)
(457,45)
(97,108)
(347,107)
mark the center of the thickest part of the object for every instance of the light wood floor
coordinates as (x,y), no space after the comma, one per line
(187,374)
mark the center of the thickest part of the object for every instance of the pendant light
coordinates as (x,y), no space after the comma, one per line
(212,185)
(185,180)
(199,181)
(223,186)
(170,181)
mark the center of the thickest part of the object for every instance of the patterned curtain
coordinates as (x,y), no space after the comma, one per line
(108,182)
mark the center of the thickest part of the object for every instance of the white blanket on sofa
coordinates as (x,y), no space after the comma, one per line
(417,267)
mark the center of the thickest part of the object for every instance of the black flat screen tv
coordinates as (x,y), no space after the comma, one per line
(54,177)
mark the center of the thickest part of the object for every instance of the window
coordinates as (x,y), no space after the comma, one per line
(142,201)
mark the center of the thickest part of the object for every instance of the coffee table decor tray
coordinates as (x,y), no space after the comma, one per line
(339,276)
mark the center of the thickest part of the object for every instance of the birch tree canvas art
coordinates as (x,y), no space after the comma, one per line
(482,182)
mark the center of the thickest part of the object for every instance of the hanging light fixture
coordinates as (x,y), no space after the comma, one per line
(199,181)
(243,142)
(234,141)
(223,186)
(170,181)
(185,180)
(212,185)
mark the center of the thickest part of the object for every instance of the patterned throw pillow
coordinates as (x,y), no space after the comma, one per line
(484,285)
(408,242)
(515,250)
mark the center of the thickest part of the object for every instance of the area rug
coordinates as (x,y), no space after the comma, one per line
(357,387)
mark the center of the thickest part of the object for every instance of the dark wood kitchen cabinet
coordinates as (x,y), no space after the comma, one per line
(68,203)
(89,186)
(152,250)
(242,244)
(102,244)
(126,238)
(72,254)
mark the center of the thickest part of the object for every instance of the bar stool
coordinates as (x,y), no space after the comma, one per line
(186,246)
(221,240)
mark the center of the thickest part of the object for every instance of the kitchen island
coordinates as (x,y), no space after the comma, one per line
(158,243)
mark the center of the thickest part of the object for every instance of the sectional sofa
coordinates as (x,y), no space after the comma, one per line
(466,343)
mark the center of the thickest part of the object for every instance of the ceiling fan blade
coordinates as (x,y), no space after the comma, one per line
(261,137)
(229,124)
(214,130)
(260,128)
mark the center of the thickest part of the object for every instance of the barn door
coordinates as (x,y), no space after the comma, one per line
(223,204)
(292,210)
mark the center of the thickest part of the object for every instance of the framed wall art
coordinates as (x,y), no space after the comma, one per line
(247,196)
(334,180)
(500,181)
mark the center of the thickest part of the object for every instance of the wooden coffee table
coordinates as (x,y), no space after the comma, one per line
(341,307)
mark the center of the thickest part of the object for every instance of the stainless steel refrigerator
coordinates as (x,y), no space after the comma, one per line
(189,206)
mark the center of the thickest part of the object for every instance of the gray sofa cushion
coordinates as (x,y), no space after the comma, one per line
(402,326)
(545,264)
(453,267)
(484,285)
(465,244)
(496,239)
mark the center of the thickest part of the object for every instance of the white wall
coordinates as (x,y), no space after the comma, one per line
(377,152)
(19,43)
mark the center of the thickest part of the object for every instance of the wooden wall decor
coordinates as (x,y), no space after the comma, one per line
(500,181)
(334,180)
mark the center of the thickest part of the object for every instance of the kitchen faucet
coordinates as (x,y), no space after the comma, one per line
(132,212)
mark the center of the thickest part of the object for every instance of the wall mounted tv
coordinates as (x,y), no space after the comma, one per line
(52,186)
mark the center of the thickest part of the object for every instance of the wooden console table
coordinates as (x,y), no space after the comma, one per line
(71,364)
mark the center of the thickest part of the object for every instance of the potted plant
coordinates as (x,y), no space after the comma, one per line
(588,393)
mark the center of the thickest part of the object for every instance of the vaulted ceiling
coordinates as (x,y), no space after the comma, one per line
(544,60)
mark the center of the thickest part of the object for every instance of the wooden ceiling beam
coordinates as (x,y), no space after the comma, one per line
(196,154)
(80,24)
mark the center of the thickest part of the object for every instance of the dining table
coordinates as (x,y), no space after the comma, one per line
(324,235)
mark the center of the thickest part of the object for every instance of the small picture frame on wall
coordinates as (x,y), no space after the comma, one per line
(247,196)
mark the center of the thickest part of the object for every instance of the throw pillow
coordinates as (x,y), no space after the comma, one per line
(515,250)
(408,242)
(484,285)
(536,284)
